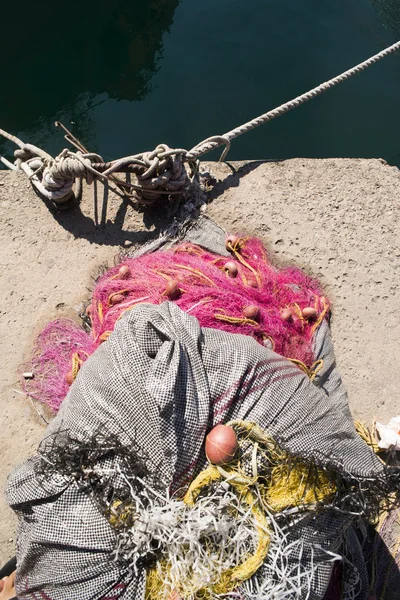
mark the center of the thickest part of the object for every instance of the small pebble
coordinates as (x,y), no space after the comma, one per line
(69,378)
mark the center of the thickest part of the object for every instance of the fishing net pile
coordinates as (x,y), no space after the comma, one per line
(241,293)
(121,500)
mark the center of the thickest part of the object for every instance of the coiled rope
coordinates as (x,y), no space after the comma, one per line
(161,172)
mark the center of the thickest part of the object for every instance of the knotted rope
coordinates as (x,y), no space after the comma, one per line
(160,172)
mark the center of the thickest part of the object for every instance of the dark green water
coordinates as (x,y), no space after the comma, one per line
(125,76)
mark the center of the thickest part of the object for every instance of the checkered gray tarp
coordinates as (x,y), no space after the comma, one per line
(161,382)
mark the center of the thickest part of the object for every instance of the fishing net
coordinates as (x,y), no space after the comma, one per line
(242,293)
(121,502)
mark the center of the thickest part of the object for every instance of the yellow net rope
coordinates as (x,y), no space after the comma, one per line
(289,483)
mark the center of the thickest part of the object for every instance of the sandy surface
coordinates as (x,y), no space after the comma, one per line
(339,219)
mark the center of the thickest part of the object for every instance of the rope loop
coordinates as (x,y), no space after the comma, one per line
(70,165)
(160,172)
(209,144)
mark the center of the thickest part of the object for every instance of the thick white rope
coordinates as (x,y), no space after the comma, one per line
(212,143)
(161,171)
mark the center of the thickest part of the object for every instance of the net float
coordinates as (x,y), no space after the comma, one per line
(221,445)
(251,282)
(124,272)
(172,289)
(230,268)
(309,312)
(286,314)
(117,298)
(252,312)
(231,241)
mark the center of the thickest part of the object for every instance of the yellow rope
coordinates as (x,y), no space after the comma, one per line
(290,483)
(205,478)
(310,371)
(163,274)
(100,311)
(116,294)
(367,436)
(199,274)
(322,314)
(299,314)
(297,486)
(76,365)
(245,280)
(236,246)
(268,337)
(133,303)
(121,514)
(231,578)
(249,430)
(236,320)
(190,250)
(219,259)
(235,250)
(104,336)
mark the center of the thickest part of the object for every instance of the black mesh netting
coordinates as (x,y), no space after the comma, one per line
(139,411)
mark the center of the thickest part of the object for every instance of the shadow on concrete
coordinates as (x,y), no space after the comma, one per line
(238,170)
(148,221)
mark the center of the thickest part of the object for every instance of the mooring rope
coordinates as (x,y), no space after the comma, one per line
(160,172)
(211,144)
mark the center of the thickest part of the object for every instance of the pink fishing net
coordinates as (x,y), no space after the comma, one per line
(243,294)
(60,346)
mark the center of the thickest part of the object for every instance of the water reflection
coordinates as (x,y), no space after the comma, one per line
(56,58)
(131,64)
(124,79)
(389,11)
